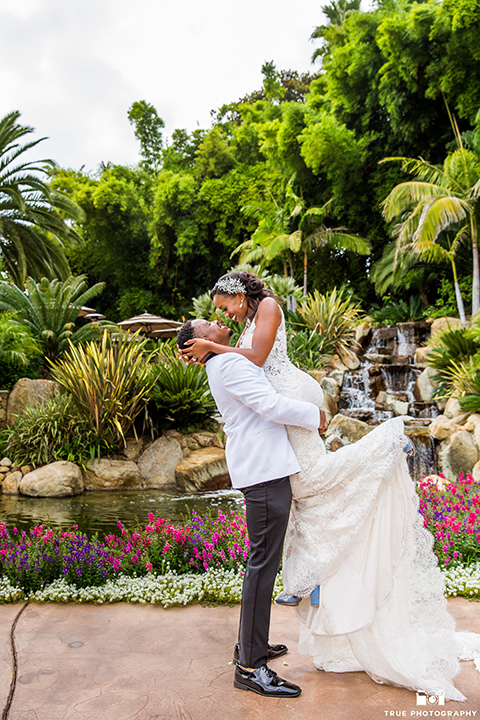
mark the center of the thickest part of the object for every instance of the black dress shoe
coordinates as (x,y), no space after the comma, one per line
(264,681)
(273,651)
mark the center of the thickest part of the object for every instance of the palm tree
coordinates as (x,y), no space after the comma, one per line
(337,12)
(33,230)
(284,231)
(17,345)
(49,309)
(443,200)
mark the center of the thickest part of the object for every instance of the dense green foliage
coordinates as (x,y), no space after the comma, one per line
(301,147)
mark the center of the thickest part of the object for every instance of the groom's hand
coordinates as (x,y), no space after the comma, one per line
(323,422)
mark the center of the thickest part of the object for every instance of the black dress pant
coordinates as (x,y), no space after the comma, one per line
(267,511)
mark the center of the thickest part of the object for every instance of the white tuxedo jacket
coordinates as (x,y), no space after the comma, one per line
(255,416)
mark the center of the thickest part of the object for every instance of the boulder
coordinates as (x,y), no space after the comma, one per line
(349,358)
(333,443)
(6,461)
(336,375)
(442,324)
(105,474)
(425,386)
(362,333)
(457,453)
(59,479)
(26,469)
(133,448)
(452,408)
(389,402)
(348,429)
(158,462)
(330,387)
(204,469)
(207,439)
(420,358)
(476,472)
(28,392)
(473,425)
(11,482)
(442,427)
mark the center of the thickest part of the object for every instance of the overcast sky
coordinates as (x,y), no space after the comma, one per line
(74,68)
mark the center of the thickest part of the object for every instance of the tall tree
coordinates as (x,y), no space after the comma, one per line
(33,230)
(148,131)
(443,199)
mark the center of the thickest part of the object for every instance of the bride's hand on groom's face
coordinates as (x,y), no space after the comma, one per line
(323,422)
(195,351)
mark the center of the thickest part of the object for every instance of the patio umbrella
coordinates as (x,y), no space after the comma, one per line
(152,325)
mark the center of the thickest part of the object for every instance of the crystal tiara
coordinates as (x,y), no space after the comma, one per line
(230,286)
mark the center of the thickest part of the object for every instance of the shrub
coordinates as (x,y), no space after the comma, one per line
(109,382)
(333,316)
(450,357)
(308,349)
(398,311)
(52,430)
(179,396)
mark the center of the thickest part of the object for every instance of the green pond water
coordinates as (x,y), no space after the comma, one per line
(98,512)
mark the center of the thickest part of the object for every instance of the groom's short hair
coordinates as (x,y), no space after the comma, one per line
(186,333)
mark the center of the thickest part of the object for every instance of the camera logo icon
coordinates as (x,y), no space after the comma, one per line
(423,699)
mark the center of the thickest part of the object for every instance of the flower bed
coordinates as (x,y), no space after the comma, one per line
(202,559)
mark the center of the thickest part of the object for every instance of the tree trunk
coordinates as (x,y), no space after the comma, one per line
(458,295)
(476,273)
(304,273)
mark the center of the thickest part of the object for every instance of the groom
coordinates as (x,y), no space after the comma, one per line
(260,460)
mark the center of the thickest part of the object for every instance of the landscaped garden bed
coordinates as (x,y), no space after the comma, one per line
(203,558)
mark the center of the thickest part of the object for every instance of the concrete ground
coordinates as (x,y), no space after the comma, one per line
(141,662)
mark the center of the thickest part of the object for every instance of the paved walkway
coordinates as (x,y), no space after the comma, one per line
(141,662)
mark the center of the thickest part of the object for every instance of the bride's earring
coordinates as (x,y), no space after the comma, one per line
(241,304)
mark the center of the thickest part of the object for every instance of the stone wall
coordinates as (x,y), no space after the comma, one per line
(3,407)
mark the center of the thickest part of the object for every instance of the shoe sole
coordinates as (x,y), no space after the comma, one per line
(241,686)
(287,604)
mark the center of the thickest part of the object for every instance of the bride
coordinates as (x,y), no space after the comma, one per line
(355,530)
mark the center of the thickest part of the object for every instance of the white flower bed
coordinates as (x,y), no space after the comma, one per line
(215,586)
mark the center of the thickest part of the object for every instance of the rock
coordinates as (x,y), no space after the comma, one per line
(362,333)
(26,469)
(330,387)
(347,428)
(207,439)
(457,453)
(6,461)
(28,392)
(330,407)
(333,443)
(133,448)
(442,427)
(473,425)
(389,402)
(336,375)
(336,363)
(452,408)
(376,358)
(204,469)
(158,462)
(442,324)
(349,359)
(425,386)
(421,355)
(11,482)
(4,468)
(59,479)
(476,472)
(105,474)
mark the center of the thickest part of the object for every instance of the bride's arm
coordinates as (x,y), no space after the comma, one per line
(267,320)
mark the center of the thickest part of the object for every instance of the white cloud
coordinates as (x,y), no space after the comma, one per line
(74,68)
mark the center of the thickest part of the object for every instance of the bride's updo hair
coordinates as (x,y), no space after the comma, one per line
(235,282)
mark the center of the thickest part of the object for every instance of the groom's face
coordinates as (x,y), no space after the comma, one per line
(215,331)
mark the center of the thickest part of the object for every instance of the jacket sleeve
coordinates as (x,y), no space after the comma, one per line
(247,383)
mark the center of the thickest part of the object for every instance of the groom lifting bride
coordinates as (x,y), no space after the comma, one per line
(260,460)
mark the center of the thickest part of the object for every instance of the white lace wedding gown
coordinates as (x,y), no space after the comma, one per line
(355,530)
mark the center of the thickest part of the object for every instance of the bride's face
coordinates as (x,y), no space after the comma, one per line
(233,306)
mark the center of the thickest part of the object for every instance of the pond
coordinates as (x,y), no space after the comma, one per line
(99,511)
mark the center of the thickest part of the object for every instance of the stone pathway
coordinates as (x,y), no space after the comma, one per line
(141,662)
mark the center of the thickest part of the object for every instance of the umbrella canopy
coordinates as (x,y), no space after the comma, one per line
(151,325)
